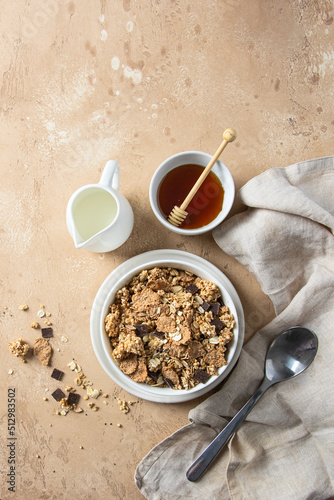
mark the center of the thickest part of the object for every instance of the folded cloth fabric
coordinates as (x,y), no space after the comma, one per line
(285,448)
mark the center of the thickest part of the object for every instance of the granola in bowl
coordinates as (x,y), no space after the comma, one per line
(169,328)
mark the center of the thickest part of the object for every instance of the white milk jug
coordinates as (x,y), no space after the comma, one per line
(98,217)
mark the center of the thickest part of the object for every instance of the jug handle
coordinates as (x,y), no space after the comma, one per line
(110,175)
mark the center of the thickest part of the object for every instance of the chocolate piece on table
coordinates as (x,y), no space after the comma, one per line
(201,376)
(159,335)
(192,288)
(73,398)
(58,395)
(141,330)
(57,374)
(214,308)
(219,325)
(47,333)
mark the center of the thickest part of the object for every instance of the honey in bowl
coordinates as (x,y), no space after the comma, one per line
(207,202)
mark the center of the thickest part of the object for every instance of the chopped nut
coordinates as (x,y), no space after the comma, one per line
(64,339)
(96,408)
(48,314)
(78,409)
(72,365)
(47,322)
(94,393)
(86,397)
(10,372)
(24,307)
(34,324)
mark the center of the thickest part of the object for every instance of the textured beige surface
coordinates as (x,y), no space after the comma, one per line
(82,82)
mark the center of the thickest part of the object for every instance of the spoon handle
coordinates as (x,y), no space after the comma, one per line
(210,453)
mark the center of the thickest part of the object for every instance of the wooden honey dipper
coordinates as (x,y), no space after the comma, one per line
(178,214)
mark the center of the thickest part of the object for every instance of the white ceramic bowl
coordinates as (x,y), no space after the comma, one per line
(198,158)
(119,278)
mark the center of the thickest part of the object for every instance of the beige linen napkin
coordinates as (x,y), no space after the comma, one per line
(285,448)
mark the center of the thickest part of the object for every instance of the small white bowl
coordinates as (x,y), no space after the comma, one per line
(197,158)
(119,278)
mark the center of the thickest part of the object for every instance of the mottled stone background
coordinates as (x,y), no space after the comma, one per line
(135,81)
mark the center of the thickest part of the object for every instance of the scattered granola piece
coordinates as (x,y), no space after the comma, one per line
(18,348)
(24,307)
(48,314)
(10,372)
(93,393)
(119,425)
(42,350)
(41,313)
(35,325)
(96,408)
(81,447)
(47,322)
(45,399)
(105,395)
(64,339)
(77,409)
(72,365)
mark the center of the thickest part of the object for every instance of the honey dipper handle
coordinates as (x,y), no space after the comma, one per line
(228,136)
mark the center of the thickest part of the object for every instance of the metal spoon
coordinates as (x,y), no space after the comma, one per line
(292,351)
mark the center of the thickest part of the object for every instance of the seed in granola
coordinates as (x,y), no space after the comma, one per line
(24,307)
(34,324)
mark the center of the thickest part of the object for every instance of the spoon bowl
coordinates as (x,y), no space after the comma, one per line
(290,353)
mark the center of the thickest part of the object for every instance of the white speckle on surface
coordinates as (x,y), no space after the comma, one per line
(154,106)
(129,26)
(128,106)
(134,74)
(115,63)
(50,126)
(104,35)
(117,92)
(154,115)
(139,100)
(101,18)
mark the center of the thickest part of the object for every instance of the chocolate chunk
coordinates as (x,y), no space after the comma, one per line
(73,398)
(58,395)
(57,374)
(192,288)
(141,330)
(205,306)
(219,325)
(201,376)
(168,382)
(47,333)
(214,308)
(153,375)
(159,335)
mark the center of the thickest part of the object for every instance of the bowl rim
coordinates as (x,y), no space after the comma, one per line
(123,273)
(215,222)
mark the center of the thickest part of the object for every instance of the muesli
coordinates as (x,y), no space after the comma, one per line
(169,328)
